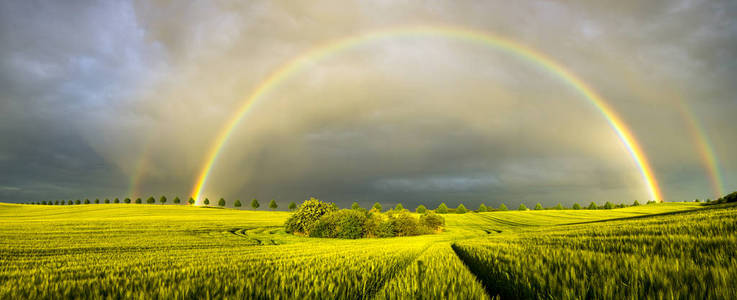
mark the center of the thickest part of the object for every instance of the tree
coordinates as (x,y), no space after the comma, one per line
(86,201)
(503,207)
(292,205)
(304,219)
(151,200)
(559,207)
(221,202)
(576,206)
(483,208)
(442,208)
(118,200)
(377,207)
(139,201)
(237,203)
(254,203)
(107,201)
(190,201)
(432,220)
(420,209)
(97,201)
(355,206)
(538,206)
(207,201)
(522,207)
(273,204)
(399,207)
(461,209)
(63,202)
(697,200)
(177,200)
(162,199)
(608,205)
(43,202)
(592,206)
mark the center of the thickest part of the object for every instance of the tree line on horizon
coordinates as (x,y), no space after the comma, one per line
(441,209)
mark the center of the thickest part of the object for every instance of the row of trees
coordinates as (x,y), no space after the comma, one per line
(421,209)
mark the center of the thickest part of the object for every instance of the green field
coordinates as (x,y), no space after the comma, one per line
(671,250)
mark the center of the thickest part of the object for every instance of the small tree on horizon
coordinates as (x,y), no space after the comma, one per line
(139,201)
(377,206)
(292,206)
(636,203)
(273,204)
(355,206)
(107,201)
(483,208)
(162,199)
(461,209)
(559,207)
(522,207)
(221,202)
(399,207)
(177,200)
(97,201)
(608,205)
(254,203)
(421,209)
(502,207)
(592,206)
(538,206)
(190,201)
(151,200)
(86,201)
(442,208)
(237,203)
(118,200)
(207,201)
(576,206)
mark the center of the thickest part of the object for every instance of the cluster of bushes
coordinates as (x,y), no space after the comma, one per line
(731,197)
(316,218)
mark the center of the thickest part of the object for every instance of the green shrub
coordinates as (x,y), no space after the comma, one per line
(107,201)
(371,226)
(405,224)
(608,205)
(307,215)
(522,207)
(97,201)
(344,224)
(432,221)
(86,201)
(376,207)
(502,207)
(442,208)
(151,200)
(162,199)
(592,206)
(254,203)
(538,206)
(355,205)
(177,200)
(190,201)
(420,209)
(207,201)
(237,203)
(221,202)
(483,208)
(559,207)
(461,209)
(576,206)
(292,205)
(399,207)
(139,201)
(386,229)
(273,204)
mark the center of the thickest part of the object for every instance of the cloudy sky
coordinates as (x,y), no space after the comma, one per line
(116,98)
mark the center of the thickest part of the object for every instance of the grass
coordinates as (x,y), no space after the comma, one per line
(171,251)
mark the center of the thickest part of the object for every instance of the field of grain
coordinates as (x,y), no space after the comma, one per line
(176,251)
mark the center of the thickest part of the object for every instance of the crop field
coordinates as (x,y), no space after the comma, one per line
(672,250)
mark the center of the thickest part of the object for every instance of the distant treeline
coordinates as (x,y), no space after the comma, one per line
(421,209)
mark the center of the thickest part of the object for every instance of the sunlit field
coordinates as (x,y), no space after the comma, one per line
(672,250)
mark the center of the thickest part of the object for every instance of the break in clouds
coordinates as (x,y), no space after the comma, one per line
(113,98)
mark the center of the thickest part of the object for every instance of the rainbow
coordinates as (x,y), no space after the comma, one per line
(706,151)
(497,42)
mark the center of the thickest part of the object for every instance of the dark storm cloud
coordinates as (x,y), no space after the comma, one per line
(94,93)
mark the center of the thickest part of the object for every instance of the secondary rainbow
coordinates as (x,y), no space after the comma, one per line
(706,151)
(450,32)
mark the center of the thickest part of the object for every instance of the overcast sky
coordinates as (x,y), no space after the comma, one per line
(115,99)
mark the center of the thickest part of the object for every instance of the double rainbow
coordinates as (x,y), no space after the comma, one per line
(496,42)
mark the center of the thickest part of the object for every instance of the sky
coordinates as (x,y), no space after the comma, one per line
(105,99)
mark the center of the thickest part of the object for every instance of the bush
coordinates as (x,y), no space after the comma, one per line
(138,201)
(307,215)
(522,207)
(237,203)
(273,204)
(86,201)
(461,209)
(405,224)
(386,229)
(442,208)
(254,203)
(502,207)
(177,200)
(355,205)
(371,226)
(376,207)
(151,200)
(559,207)
(399,207)
(432,221)
(221,202)
(190,201)
(292,205)
(576,206)
(344,224)
(107,201)
(608,205)
(538,206)
(420,209)
(592,206)
(97,201)
(162,199)
(483,208)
